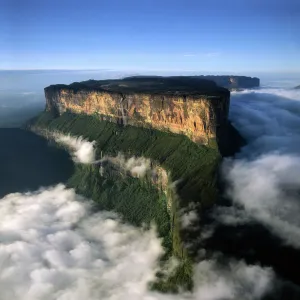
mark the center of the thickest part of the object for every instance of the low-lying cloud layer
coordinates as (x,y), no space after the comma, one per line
(269,119)
(265,177)
(137,166)
(53,248)
(83,151)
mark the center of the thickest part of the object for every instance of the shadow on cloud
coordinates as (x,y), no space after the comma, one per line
(261,221)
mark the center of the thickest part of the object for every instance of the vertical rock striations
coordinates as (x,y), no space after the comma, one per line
(195,107)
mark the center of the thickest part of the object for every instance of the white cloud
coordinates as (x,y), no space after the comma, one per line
(137,166)
(268,189)
(189,218)
(238,281)
(203,54)
(231,215)
(53,248)
(265,177)
(212,54)
(83,151)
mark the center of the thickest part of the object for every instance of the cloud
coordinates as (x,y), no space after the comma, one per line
(28,93)
(231,215)
(264,179)
(236,281)
(204,54)
(293,94)
(83,151)
(212,54)
(268,188)
(189,218)
(137,166)
(54,248)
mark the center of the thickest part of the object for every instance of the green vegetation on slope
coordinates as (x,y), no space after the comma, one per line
(142,204)
(194,165)
(138,201)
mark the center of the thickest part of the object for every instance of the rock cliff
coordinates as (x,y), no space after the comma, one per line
(192,106)
(234,82)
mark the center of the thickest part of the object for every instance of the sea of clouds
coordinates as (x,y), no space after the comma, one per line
(53,247)
(264,179)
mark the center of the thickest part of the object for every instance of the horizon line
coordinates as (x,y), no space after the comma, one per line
(152,70)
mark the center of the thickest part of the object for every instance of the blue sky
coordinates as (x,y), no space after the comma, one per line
(191,35)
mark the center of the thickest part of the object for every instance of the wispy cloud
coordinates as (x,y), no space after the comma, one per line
(203,54)
(212,54)
(189,55)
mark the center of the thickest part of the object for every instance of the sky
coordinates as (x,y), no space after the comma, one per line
(186,35)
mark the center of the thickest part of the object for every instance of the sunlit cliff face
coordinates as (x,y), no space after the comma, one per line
(198,117)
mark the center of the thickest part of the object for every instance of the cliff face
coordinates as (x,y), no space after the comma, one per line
(201,115)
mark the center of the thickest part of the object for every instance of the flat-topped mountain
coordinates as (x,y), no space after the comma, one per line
(179,124)
(173,85)
(232,82)
(192,106)
(209,84)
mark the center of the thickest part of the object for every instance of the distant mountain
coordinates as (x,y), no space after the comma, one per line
(297,87)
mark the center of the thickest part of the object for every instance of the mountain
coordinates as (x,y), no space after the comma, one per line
(232,82)
(193,106)
(297,87)
(179,123)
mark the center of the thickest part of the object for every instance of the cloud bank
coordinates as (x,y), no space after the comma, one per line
(53,248)
(83,151)
(264,179)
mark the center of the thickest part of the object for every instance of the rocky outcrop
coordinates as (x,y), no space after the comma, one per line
(195,107)
(234,82)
